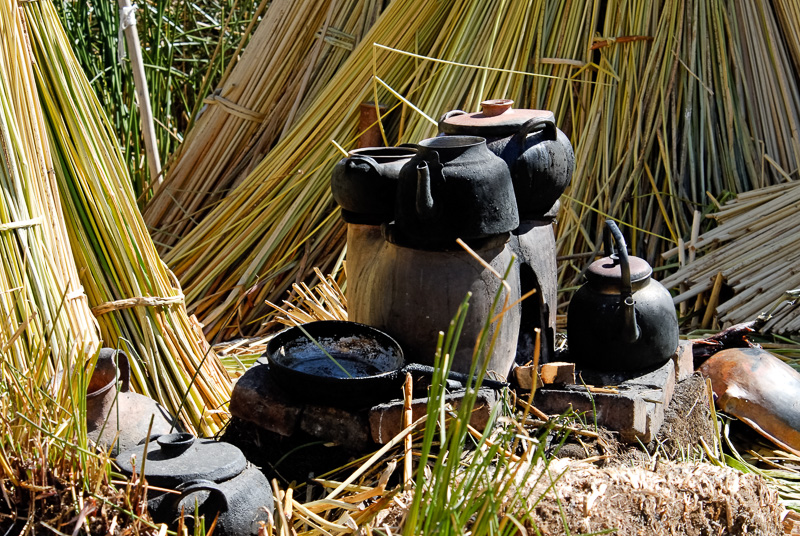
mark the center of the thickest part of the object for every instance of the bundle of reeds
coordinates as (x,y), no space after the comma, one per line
(295,49)
(137,301)
(754,250)
(43,304)
(693,98)
(280,220)
(47,332)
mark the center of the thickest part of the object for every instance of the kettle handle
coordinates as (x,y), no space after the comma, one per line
(424,203)
(537,123)
(621,250)
(632,331)
(193,486)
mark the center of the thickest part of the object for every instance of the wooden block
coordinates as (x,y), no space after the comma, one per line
(558,372)
(524,376)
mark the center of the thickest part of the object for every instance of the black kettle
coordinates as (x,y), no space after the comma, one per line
(621,319)
(215,474)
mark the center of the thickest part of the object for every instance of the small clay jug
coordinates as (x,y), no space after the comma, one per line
(455,187)
(215,474)
(364,183)
(621,319)
(118,418)
(538,155)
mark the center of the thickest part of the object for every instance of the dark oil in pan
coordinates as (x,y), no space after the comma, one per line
(322,365)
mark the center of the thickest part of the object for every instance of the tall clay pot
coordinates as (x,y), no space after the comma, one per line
(412,294)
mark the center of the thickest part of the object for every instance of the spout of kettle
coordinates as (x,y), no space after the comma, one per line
(631,331)
(424,201)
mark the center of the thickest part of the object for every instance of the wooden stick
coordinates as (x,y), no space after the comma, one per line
(128,23)
(408,417)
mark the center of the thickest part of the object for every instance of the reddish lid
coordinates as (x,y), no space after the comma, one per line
(607,271)
(496,118)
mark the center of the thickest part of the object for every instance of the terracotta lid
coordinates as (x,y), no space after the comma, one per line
(496,118)
(607,271)
(177,458)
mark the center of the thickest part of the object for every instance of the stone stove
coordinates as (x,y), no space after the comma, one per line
(260,400)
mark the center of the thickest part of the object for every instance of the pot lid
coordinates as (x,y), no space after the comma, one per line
(607,271)
(496,118)
(173,459)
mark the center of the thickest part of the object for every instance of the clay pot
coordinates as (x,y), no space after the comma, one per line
(119,419)
(213,473)
(412,294)
(538,155)
(453,188)
(364,183)
(759,389)
(621,319)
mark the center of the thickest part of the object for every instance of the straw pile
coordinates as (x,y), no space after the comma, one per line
(295,49)
(137,301)
(280,220)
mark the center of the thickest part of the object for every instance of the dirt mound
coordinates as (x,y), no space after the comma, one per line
(675,498)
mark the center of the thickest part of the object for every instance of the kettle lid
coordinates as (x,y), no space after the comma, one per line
(173,459)
(496,118)
(608,271)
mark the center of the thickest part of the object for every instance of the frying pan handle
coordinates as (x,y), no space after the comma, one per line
(428,371)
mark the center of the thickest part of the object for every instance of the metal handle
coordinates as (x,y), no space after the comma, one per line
(356,160)
(628,304)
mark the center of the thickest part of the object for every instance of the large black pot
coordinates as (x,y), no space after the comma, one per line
(373,360)
(213,473)
(538,155)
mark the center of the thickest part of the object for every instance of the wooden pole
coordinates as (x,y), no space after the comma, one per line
(127,21)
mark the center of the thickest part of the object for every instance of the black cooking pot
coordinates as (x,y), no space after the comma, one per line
(363,365)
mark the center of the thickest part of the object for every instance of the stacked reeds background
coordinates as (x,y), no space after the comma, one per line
(669,105)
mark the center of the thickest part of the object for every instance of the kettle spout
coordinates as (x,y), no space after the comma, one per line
(425,207)
(631,331)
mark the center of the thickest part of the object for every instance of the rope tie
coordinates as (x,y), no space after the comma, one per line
(128,303)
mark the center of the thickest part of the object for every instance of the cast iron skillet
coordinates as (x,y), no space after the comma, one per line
(373,359)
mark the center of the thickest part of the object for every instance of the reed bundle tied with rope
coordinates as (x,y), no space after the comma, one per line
(755,250)
(117,261)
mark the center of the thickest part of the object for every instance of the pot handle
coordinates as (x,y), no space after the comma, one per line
(451,113)
(497,385)
(626,291)
(193,486)
(535,124)
(362,159)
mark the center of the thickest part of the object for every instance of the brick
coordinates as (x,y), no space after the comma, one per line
(558,372)
(385,420)
(257,399)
